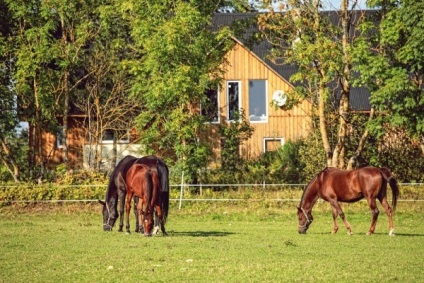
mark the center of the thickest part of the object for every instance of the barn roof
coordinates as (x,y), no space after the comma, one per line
(244,25)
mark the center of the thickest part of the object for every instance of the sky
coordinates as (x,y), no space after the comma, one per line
(335,4)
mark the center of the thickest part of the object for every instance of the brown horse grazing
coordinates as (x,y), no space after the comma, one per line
(143,181)
(334,185)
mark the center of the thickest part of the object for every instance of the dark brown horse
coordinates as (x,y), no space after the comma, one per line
(334,185)
(143,181)
(115,193)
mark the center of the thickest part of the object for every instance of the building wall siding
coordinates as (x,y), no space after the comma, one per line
(287,124)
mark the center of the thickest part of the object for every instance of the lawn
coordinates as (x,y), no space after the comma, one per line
(210,242)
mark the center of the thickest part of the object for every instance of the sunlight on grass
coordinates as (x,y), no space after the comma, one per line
(214,242)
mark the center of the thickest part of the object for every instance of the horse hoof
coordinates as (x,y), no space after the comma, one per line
(392,232)
(369,234)
(127,233)
(155,230)
(350,233)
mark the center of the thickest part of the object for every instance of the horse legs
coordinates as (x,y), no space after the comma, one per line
(137,222)
(121,211)
(139,211)
(156,223)
(388,210)
(336,226)
(374,210)
(338,210)
(128,209)
(160,216)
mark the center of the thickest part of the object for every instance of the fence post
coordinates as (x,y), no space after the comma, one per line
(181,190)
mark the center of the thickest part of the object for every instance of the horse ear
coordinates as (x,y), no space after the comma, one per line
(101,202)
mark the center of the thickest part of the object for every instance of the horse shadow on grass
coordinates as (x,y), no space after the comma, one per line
(376,233)
(408,235)
(200,233)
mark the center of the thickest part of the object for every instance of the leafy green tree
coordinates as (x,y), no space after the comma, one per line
(76,25)
(305,37)
(8,106)
(233,136)
(390,59)
(103,94)
(179,59)
(32,30)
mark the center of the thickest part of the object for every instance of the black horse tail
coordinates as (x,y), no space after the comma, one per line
(163,175)
(393,184)
(165,205)
(163,172)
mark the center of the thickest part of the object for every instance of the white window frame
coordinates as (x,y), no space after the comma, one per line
(227,97)
(264,140)
(125,140)
(218,93)
(59,137)
(262,119)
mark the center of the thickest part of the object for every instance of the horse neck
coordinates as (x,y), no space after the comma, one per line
(310,195)
(112,196)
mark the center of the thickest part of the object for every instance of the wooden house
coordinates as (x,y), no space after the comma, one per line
(259,84)
(254,86)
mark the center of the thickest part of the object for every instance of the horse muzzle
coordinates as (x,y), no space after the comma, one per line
(302,229)
(107,228)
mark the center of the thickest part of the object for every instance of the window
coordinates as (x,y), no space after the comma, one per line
(258,101)
(59,138)
(272,144)
(210,107)
(233,100)
(121,136)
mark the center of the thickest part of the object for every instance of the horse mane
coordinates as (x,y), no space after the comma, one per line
(310,183)
(149,187)
(112,190)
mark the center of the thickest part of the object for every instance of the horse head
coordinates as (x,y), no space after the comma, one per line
(148,222)
(109,216)
(305,219)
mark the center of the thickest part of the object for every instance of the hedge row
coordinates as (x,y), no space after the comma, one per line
(51,192)
(54,192)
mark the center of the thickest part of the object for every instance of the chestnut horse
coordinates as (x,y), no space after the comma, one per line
(334,185)
(143,181)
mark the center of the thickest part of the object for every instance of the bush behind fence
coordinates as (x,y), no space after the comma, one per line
(187,192)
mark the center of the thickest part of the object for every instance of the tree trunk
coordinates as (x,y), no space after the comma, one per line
(65,122)
(65,89)
(354,158)
(38,132)
(323,124)
(344,107)
(9,160)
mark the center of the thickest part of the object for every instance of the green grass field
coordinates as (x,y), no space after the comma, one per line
(210,242)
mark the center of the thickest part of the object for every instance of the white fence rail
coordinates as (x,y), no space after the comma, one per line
(182,188)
